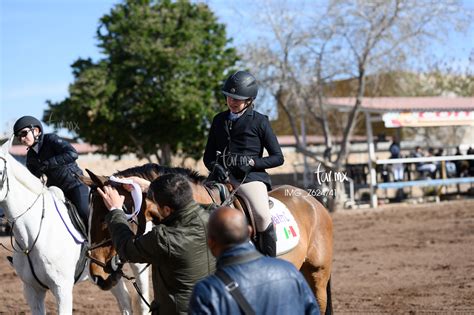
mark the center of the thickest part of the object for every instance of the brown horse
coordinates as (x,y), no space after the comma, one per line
(101,250)
(312,255)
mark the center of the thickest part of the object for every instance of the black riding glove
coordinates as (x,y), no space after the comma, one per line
(218,174)
(241,171)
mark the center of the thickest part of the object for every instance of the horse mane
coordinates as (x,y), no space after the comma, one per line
(151,171)
(24,176)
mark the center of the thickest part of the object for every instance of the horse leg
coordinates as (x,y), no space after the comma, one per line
(35,298)
(122,296)
(141,273)
(318,279)
(63,295)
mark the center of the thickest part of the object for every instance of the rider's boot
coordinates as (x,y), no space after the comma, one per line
(267,241)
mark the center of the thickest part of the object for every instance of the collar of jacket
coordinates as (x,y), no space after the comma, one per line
(237,250)
(249,111)
(177,214)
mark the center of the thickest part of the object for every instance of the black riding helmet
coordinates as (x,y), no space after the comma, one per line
(241,86)
(26,121)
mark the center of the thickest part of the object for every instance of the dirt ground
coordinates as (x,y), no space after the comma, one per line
(396,259)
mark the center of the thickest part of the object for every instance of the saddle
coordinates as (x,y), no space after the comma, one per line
(286,228)
(75,218)
(236,202)
(81,227)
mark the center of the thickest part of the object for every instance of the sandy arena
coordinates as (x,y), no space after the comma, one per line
(398,259)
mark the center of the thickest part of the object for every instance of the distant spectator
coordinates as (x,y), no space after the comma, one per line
(438,164)
(395,153)
(450,166)
(470,151)
(462,166)
(425,169)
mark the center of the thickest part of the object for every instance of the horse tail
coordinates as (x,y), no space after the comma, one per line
(329,298)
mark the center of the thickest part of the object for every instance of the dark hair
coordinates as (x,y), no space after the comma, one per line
(171,190)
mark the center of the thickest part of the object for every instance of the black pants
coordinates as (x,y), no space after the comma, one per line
(79,196)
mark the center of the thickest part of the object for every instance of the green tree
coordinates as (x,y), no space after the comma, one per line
(158,85)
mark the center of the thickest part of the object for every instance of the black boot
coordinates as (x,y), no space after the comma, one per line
(267,241)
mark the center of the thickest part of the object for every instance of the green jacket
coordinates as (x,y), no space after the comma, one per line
(176,248)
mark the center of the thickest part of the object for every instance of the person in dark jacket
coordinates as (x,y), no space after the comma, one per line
(269,285)
(176,248)
(235,147)
(395,153)
(50,155)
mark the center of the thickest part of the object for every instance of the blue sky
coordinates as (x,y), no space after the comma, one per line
(39,39)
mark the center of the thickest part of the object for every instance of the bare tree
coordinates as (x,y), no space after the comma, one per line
(301,51)
(290,66)
(383,34)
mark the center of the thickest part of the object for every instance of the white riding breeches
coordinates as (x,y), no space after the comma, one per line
(256,194)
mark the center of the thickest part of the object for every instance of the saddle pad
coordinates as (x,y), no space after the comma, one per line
(62,211)
(75,218)
(286,228)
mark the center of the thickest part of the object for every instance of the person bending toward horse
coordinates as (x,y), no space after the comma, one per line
(268,285)
(50,155)
(176,247)
(235,147)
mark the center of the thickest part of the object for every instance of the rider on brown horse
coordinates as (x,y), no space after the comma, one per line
(234,150)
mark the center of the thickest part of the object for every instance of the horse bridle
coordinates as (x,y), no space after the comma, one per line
(4,178)
(104,242)
(12,221)
(115,263)
(26,251)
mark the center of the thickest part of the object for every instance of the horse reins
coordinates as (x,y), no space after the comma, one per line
(118,268)
(26,251)
(230,198)
(5,177)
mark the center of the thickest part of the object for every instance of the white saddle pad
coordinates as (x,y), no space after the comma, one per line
(286,228)
(62,211)
(57,192)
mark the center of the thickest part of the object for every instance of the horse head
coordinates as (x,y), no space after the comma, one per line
(4,155)
(102,253)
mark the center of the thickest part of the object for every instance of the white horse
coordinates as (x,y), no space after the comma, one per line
(45,253)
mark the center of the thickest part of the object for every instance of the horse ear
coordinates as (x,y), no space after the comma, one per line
(86,180)
(95,179)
